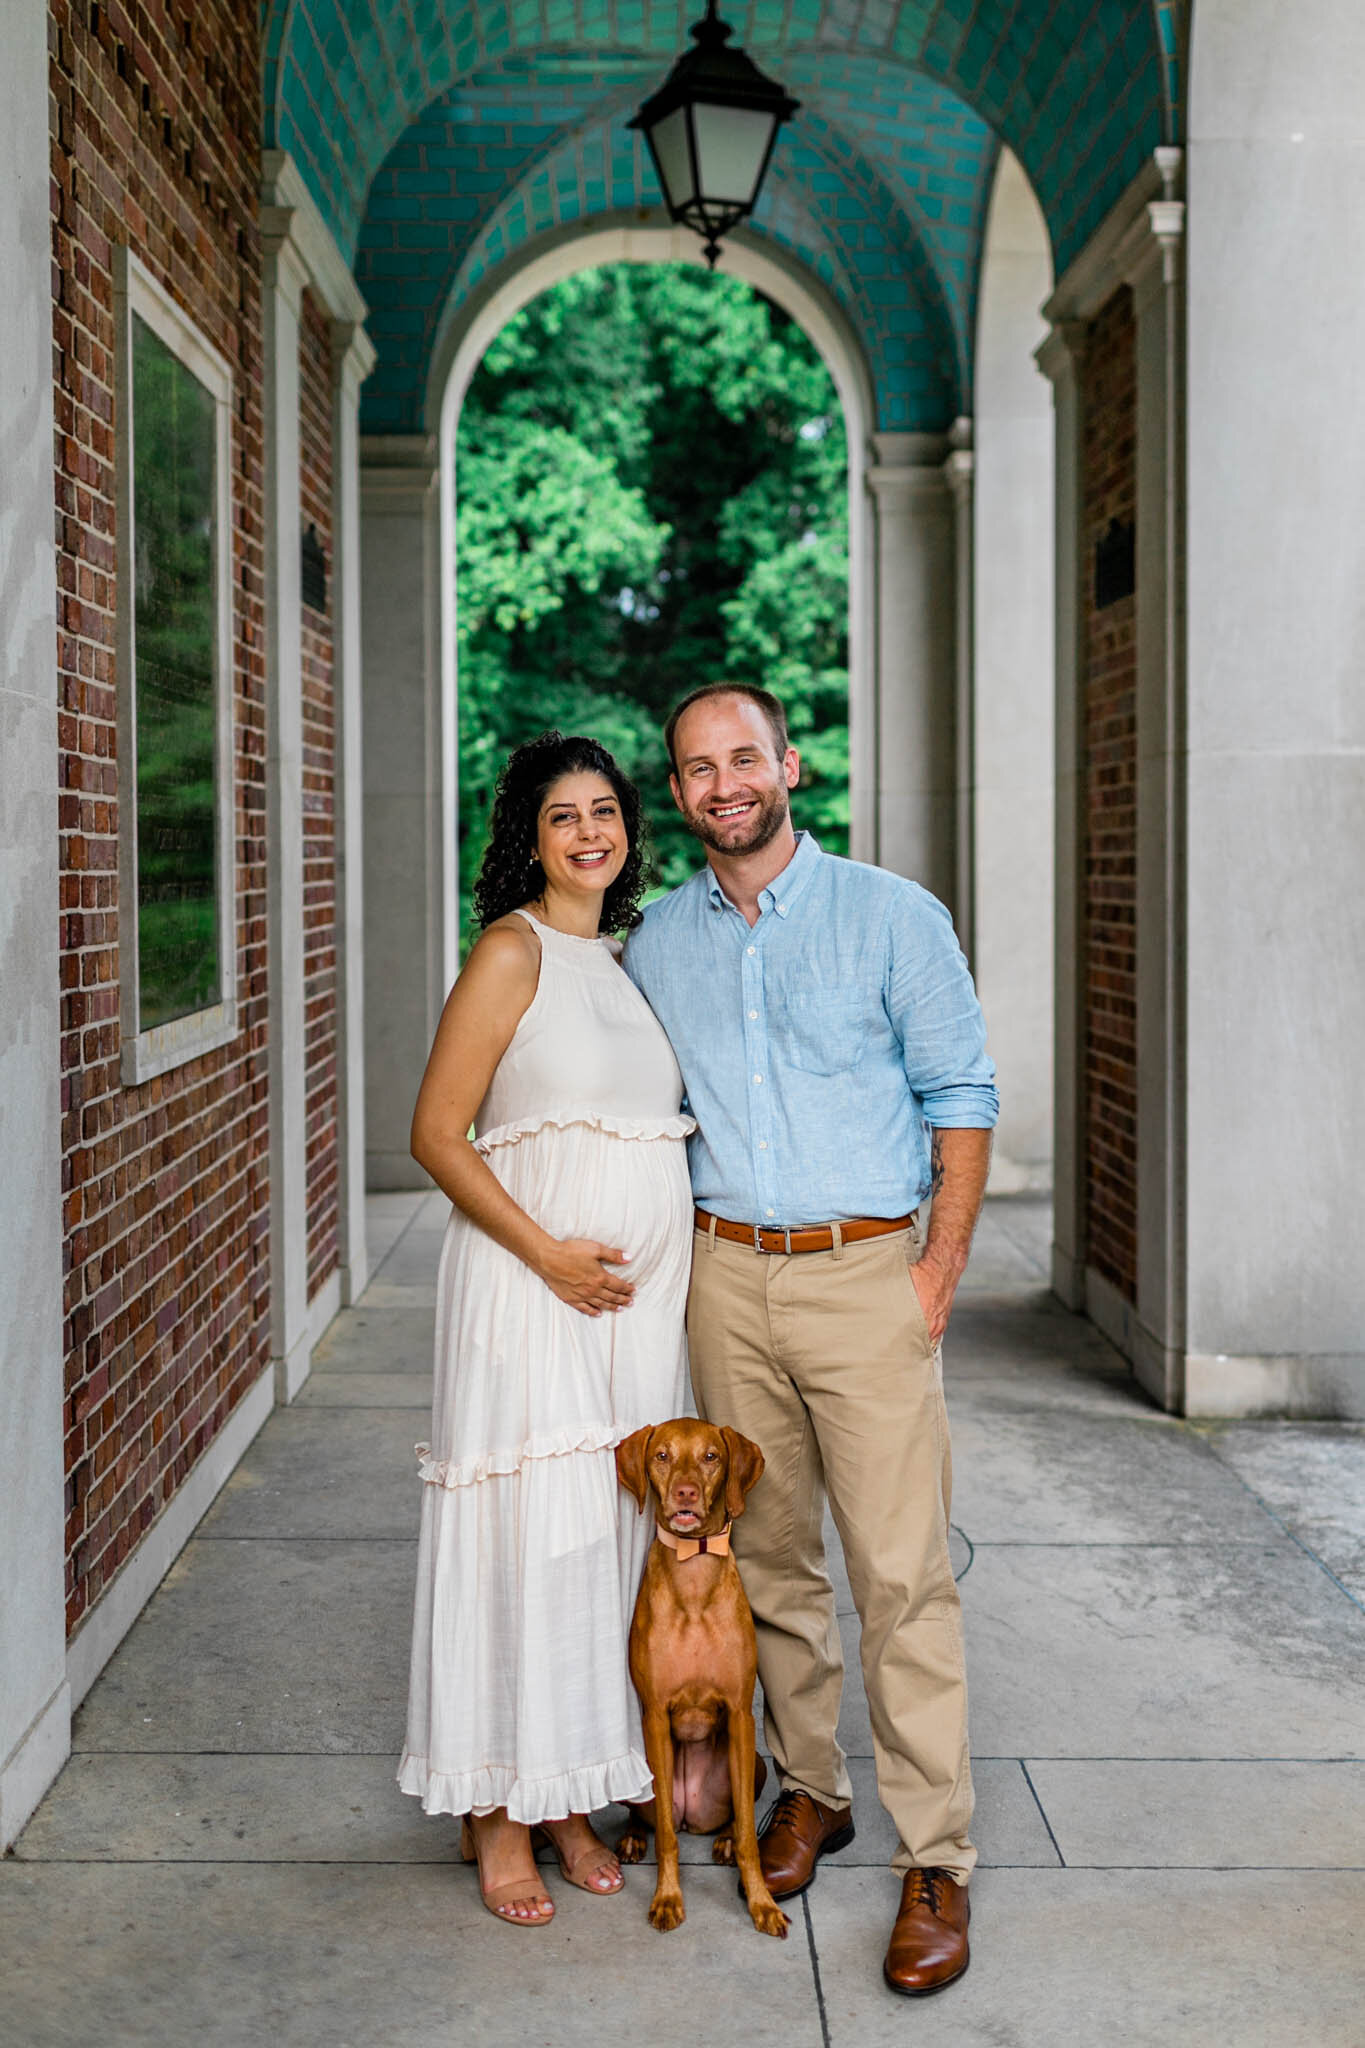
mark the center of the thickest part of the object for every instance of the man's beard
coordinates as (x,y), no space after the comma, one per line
(764,824)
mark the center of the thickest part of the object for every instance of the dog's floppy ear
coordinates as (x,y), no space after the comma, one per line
(746,1469)
(630,1463)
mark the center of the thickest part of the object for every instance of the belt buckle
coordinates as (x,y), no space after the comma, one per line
(787,1238)
(758,1237)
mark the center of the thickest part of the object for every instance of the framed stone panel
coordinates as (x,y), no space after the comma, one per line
(177,931)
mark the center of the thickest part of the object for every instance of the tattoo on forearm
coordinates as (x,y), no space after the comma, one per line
(936,1165)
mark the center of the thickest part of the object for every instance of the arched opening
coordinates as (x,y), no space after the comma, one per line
(466,343)
(651,493)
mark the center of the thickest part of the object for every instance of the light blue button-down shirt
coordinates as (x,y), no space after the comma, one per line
(820,1045)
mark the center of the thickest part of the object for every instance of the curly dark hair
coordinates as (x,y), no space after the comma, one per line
(510,873)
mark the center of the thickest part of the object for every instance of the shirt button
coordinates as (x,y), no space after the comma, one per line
(758,1080)
(763,1146)
(753,949)
(752,1015)
(781,906)
(770,1212)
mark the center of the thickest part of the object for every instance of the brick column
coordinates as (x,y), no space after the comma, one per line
(916,684)
(35,1713)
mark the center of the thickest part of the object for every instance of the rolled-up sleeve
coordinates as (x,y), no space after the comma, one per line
(934,1011)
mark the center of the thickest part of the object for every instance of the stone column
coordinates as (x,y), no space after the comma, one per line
(1058,359)
(1157,280)
(958,472)
(353,358)
(916,601)
(285,276)
(1275,981)
(35,1709)
(1012,434)
(409,880)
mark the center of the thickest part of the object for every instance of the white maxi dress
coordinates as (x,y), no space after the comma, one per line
(530,1555)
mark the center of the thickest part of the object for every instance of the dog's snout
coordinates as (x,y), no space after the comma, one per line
(686,1492)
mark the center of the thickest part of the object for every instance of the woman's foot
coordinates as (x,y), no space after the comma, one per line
(508,1880)
(583,1859)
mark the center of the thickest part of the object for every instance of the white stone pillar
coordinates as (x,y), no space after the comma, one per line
(410,883)
(285,277)
(1275,980)
(1157,280)
(35,1709)
(1013,761)
(958,472)
(916,604)
(352,358)
(1058,358)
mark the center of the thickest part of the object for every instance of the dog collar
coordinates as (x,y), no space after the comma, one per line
(694,1546)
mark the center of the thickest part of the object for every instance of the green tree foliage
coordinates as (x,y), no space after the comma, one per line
(652,494)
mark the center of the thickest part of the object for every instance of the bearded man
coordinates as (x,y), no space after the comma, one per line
(833,1053)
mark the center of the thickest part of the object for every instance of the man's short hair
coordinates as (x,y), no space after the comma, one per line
(768,704)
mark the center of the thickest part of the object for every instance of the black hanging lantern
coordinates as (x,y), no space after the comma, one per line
(711,127)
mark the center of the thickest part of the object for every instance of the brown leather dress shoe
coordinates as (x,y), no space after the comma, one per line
(929,1940)
(796,1834)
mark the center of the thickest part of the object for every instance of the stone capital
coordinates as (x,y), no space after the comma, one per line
(397,471)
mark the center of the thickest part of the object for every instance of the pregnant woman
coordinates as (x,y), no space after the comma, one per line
(559,1331)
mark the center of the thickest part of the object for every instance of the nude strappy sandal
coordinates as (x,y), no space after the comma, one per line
(576,1873)
(517,1891)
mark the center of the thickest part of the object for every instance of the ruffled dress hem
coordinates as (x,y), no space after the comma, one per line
(529,1800)
(451,1473)
(640,1128)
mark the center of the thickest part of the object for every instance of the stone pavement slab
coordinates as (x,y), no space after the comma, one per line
(1185,1650)
(264,1645)
(325,1471)
(365,1390)
(1110,1480)
(1312,1477)
(1292,1815)
(397,1339)
(381,1956)
(1108,1959)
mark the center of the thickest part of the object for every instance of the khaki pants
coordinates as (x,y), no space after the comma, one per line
(824,1359)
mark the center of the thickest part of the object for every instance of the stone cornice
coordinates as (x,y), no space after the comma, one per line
(396,469)
(1140,235)
(289,213)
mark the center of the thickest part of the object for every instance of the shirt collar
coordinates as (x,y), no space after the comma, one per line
(784,889)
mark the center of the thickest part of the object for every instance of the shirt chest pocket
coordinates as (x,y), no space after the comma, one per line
(826,1031)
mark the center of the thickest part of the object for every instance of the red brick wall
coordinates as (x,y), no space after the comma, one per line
(154,133)
(1109,729)
(319,812)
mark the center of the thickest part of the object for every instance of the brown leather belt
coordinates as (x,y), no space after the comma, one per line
(807,1237)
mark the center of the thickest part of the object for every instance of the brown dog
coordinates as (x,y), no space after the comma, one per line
(693,1658)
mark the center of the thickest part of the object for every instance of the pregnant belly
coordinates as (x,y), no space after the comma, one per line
(631,1192)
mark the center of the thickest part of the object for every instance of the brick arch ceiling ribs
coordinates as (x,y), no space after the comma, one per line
(904,102)
(486,170)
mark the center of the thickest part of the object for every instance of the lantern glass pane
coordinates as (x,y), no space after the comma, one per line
(732,143)
(669,137)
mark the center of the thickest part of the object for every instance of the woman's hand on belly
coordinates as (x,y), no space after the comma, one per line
(575,1269)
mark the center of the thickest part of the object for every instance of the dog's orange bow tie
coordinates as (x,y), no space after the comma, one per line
(694,1546)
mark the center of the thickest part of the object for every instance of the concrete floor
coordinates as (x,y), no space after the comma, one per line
(1166,1646)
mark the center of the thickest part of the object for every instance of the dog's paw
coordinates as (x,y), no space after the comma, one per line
(666,1911)
(769,1918)
(723,1847)
(633,1845)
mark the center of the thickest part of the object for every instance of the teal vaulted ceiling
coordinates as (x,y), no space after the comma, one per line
(440,137)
